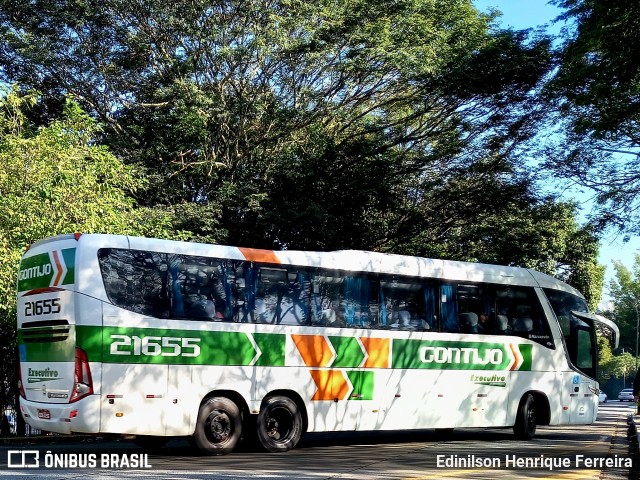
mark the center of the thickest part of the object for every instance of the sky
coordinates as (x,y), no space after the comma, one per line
(521,14)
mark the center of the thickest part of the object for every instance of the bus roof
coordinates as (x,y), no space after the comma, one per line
(348,260)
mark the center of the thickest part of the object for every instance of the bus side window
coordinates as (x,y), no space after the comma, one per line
(279,296)
(294,304)
(325,298)
(523,313)
(355,302)
(430,320)
(137,281)
(475,312)
(403,304)
(269,294)
(449,308)
(247,286)
(175,292)
(202,288)
(502,307)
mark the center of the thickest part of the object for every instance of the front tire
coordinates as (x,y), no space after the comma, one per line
(219,426)
(279,424)
(526,418)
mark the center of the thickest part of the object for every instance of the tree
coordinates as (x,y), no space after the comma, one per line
(389,126)
(625,294)
(227,105)
(596,98)
(623,366)
(56,180)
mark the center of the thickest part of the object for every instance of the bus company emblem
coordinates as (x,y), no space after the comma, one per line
(47,269)
(460,355)
(472,356)
(34,272)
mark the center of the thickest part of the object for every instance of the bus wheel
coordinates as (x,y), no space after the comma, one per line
(219,426)
(279,424)
(525,426)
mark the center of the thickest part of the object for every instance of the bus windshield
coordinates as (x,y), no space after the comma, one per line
(578,333)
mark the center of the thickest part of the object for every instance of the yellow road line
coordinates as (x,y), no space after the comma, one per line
(492,473)
(576,475)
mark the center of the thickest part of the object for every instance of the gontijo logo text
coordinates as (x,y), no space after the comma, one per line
(493,356)
(47,269)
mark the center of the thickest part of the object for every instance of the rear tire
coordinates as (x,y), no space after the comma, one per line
(526,418)
(279,424)
(219,426)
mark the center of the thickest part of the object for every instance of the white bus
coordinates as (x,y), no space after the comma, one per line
(156,339)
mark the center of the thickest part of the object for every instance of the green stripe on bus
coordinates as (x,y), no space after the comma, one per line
(348,352)
(69,257)
(38,271)
(526,352)
(203,347)
(272,347)
(178,346)
(362,382)
(89,339)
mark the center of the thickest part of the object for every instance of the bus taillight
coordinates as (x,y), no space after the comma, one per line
(83,385)
(20,384)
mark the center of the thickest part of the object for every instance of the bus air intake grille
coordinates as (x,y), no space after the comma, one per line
(45,332)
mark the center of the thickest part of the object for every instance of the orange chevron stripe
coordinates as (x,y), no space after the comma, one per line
(58,266)
(378,350)
(515,357)
(331,384)
(314,349)
(257,255)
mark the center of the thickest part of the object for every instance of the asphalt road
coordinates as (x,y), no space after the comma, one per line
(575,452)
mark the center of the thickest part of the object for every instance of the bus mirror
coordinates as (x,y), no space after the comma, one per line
(615,331)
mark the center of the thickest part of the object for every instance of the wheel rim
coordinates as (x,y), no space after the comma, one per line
(279,424)
(218,426)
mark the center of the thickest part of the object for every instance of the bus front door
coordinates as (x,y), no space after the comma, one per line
(581,397)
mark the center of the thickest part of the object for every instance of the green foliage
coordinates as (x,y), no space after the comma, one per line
(221,102)
(625,295)
(595,95)
(389,126)
(614,372)
(623,365)
(605,355)
(55,179)
(611,367)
